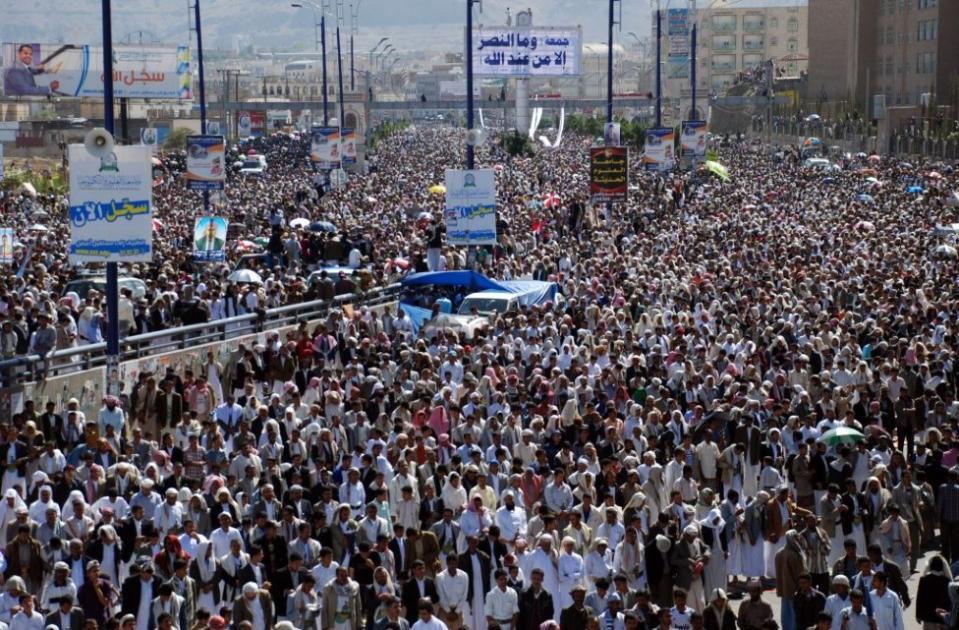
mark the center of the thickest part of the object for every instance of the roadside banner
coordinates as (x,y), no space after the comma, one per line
(608,174)
(75,70)
(470,210)
(111,205)
(693,140)
(659,154)
(6,245)
(348,146)
(209,239)
(325,147)
(205,162)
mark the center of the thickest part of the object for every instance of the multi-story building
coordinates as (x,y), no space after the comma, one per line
(737,37)
(897,48)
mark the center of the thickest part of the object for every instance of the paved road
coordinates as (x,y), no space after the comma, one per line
(908,615)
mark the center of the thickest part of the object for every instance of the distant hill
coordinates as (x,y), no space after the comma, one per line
(413,24)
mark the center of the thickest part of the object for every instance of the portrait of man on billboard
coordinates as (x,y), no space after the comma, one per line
(209,236)
(19,76)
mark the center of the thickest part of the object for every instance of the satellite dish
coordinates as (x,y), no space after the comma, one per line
(99,143)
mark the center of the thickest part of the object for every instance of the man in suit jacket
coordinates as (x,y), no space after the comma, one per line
(18,78)
(466,565)
(447,533)
(167,601)
(131,531)
(775,527)
(415,589)
(32,570)
(341,597)
(169,407)
(750,437)
(286,581)
(268,504)
(133,589)
(66,611)
(423,545)
(244,606)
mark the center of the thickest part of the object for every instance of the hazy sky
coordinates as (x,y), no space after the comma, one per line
(413,24)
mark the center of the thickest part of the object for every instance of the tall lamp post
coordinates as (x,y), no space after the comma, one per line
(470,154)
(113,292)
(322,27)
(354,18)
(339,69)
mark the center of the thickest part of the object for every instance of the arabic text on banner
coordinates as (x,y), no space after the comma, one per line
(693,139)
(526,52)
(1,160)
(111,203)
(75,70)
(209,239)
(348,146)
(658,154)
(470,211)
(325,147)
(677,31)
(205,162)
(6,245)
(608,174)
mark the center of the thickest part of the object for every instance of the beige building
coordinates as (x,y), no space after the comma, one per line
(735,37)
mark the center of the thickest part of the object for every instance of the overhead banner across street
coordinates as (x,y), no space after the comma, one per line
(526,51)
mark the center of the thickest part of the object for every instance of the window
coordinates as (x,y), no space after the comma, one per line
(927,4)
(927,30)
(925,63)
(792,45)
(890,66)
(890,36)
(774,22)
(793,25)
(773,41)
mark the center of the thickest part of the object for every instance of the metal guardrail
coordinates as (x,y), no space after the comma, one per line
(25,368)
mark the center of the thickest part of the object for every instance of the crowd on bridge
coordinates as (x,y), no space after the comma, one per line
(750,385)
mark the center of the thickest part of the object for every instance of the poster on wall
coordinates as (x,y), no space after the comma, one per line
(693,140)
(325,148)
(659,153)
(111,205)
(205,162)
(677,36)
(75,70)
(608,174)
(209,239)
(470,210)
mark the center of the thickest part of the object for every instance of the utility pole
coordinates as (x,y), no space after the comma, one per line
(113,292)
(659,66)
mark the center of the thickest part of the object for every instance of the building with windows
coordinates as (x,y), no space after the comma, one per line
(898,49)
(735,38)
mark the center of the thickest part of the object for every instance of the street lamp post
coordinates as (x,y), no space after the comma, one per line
(113,292)
(470,154)
(322,27)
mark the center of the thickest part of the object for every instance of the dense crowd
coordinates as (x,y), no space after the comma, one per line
(749,385)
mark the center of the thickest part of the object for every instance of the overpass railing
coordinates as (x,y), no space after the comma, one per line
(32,367)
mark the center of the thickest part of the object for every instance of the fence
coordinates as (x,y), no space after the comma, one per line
(856,136)
(25,369)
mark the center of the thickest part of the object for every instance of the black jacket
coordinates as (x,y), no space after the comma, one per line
(466,565)
(410,596)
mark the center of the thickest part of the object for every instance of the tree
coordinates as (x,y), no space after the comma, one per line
(177,139)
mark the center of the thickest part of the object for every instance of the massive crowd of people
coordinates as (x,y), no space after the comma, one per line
(749,385)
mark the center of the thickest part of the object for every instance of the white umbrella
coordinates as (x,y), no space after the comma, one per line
(37,227)
(245,276)
(300,222)
(946,251)
(26,188)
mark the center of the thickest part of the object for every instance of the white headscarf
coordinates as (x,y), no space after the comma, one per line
(38,509)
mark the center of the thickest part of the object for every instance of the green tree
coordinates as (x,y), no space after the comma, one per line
(177,139)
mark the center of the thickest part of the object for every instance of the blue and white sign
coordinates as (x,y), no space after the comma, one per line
(526,52)
(111,205)
(1,161)
(470,210)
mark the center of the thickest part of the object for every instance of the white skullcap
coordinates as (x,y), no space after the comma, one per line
(249,588)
